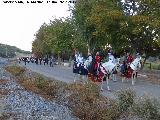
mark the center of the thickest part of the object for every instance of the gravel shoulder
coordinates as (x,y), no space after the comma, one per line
(19,104)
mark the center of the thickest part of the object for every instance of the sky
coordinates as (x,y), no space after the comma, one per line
(19,22)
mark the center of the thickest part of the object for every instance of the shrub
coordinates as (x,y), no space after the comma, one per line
(53,88)
(40,82)
(15,70)
(87,103)
(147,109)
(125,99)
(158,67)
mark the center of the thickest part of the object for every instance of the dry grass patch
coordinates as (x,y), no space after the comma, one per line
(147,109)
(87,103)
(3,91)
(15,70)
(3,81)
(153,76)
(36,83)
(8,116)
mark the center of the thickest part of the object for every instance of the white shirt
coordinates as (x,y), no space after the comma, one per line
(76,56)
(111,59)
(90,59)
(80,59)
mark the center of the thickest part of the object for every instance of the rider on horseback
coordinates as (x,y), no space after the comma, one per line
(97,64)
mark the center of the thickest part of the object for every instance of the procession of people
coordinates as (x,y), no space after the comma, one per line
(51,61)
(96,67)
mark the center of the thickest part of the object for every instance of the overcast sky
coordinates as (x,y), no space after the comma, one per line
(19,22)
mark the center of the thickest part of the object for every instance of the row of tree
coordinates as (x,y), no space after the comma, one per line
(95,24)
(10,51)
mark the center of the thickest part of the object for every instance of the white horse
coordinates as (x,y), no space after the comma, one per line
(108,68)
(133,68)
(135,65)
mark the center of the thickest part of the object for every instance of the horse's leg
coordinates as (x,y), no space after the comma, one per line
(84,78)
(101,85)
(133,78)
(80,77)
(123,78)
(108,88)
(87,78)
(136,75)
(75,75)
(114,77)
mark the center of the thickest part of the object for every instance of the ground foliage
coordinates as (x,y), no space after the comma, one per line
(85,100)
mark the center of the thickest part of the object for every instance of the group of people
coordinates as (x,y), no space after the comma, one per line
(38,60)
(94,67)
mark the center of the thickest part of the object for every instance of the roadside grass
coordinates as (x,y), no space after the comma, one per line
(88,104)
(147,108)
(4,117)
(85,100)
(15,70)
(152,76)
(154,66)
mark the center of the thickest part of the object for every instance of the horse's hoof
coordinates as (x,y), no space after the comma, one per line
(102,90)
(109,90)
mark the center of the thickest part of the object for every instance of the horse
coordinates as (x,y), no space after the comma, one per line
(81,70)
(106,70)
(131,70)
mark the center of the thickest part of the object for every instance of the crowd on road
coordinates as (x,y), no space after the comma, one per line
(93,67)
(38,60)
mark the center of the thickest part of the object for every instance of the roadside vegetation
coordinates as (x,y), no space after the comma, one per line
(152,65)
(85,100)
(10,51)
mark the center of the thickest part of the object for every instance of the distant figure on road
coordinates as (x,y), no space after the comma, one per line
(52,60)
(36,60)
(19,60)
(45,60)
(40,60)
(25,60)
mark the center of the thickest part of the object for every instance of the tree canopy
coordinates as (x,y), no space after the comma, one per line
(129,24)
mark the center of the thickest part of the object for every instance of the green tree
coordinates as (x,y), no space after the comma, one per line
(143,29)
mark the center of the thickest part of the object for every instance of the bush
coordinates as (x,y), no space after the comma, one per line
(40,82)
(125,99)
(54,88)
(87,103)
(158,67)
(15,70)
(147,109)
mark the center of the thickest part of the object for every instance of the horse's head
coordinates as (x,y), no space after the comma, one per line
(86,63)
(136,63)
(117,64)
